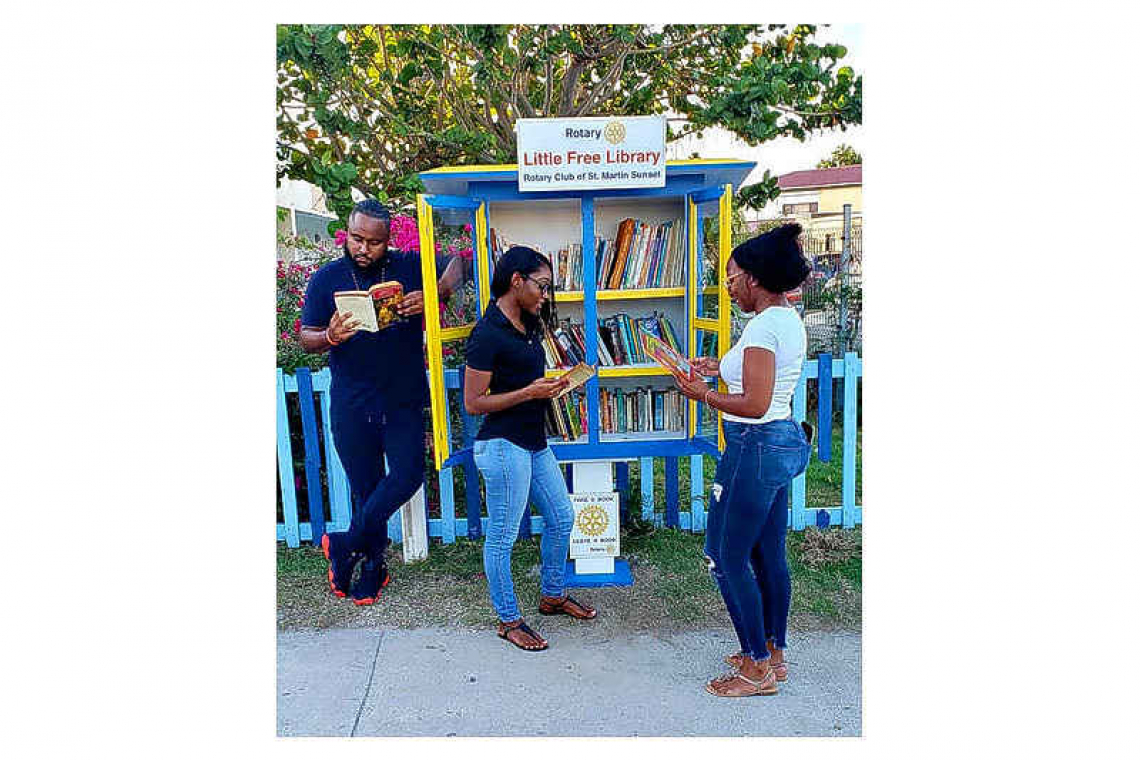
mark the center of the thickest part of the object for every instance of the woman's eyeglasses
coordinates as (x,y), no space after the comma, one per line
(728,280)
(545,287)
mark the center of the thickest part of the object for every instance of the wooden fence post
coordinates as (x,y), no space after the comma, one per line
(285,468)
(304,377)
(697,492)
(413,518)
(850,428)
(647,488)
(798,517)
(672,494)
(824,407)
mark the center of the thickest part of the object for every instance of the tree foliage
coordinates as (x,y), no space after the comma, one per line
(369,106)
(844,155)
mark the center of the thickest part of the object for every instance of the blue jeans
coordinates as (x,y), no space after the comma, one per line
(363,437)
(514,476)
(747,525)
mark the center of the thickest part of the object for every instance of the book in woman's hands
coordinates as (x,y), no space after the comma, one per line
(576,377)
(374,308)
(660,352)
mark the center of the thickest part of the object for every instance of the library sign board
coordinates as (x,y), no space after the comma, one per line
(591,153)
(595,531)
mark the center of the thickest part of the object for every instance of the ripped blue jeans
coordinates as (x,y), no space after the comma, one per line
(747,525)
(514,477)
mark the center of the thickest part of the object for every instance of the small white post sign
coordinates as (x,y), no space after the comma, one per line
(591,153)
(594,539)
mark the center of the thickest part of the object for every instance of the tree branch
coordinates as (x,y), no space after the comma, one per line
(605,87)
(665,48)
(570,85)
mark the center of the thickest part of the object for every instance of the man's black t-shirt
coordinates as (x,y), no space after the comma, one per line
(372,370)
(515,361)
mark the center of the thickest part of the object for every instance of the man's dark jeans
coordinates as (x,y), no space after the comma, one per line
(363,438)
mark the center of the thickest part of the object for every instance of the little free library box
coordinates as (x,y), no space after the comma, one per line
(628,261)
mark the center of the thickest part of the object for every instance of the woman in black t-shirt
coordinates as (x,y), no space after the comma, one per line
(504,380)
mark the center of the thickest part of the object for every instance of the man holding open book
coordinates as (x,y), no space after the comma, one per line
(364,310)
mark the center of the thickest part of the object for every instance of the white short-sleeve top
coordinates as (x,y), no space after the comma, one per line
(780,330)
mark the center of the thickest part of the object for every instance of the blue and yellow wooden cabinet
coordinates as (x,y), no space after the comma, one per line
(696,198)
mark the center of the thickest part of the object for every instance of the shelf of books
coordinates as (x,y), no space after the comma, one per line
(627,264)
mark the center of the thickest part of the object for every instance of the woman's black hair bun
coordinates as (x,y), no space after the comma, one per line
(774,258)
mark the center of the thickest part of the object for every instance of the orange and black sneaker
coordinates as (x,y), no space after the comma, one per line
(374,576)
(341,562)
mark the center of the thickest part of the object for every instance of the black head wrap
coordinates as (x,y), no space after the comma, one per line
(774,258)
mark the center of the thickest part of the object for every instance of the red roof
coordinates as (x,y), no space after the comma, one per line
(843,175)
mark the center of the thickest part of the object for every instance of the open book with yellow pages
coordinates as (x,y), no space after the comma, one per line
(660,352)
(374,308)
(577,377)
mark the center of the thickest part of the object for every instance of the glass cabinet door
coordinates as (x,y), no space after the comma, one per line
(453,227)
(710,315)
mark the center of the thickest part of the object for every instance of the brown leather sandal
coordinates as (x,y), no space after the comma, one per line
(779,668)
(505,632)
(567,605)
(739,685)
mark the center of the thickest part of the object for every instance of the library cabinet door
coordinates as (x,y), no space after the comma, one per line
(709,310)
(454,225)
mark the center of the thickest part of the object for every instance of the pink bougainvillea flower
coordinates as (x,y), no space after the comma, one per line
(404,234)
(297,325)
(467,228)
(340,237)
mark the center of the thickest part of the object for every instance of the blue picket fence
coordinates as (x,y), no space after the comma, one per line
(322,473)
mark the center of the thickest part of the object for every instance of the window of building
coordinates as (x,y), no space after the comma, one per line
(792,209)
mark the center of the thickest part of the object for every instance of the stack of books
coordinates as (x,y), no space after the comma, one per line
(619,343)
(642,255)
(568,267)
(641,410)
(565,346)
(566,416)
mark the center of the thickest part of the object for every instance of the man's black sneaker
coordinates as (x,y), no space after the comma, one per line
(374,576)
(341,562)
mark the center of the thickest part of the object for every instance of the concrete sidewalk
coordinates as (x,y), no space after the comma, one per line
(457,682)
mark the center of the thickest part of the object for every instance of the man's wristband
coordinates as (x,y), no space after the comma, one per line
(328,337)
(706,398)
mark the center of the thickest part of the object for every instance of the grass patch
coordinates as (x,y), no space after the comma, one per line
(672,589)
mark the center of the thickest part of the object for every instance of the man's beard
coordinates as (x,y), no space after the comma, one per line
(356,263)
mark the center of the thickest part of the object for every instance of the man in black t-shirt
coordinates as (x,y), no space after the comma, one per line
(377,394)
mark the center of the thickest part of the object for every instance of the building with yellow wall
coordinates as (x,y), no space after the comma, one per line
(815,198)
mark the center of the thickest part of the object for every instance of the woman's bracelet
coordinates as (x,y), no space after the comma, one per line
(328,337)
(706,399)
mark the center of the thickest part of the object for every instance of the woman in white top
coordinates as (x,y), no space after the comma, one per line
(764,450)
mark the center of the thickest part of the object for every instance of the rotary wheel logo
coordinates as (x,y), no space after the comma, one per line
(614,132)
(593,520)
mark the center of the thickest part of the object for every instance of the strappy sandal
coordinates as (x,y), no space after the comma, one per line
(568,605)
(739,685)
(779,668)
(505,633)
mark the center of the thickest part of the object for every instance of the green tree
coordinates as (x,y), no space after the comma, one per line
(844,155)
(368,107)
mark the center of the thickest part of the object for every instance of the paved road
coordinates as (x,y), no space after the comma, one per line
(456,682)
